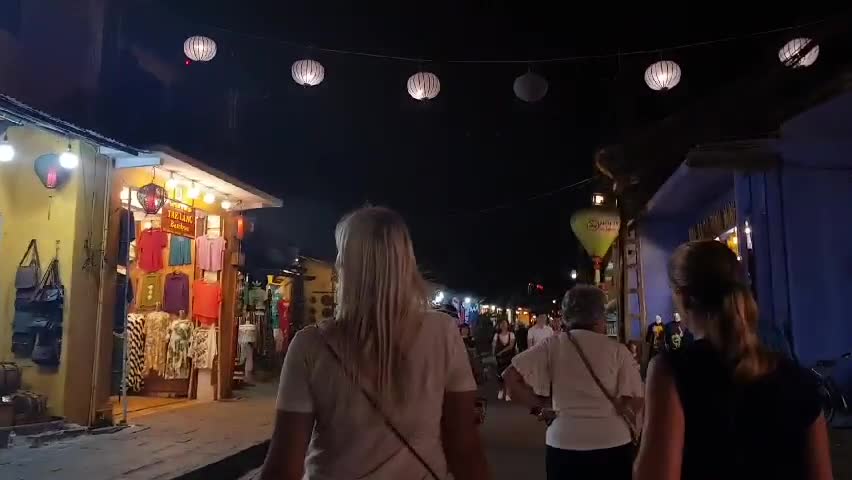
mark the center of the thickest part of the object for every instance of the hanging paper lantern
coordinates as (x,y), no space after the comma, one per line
(199,48)
(596,228)
(49,172)
(151,197)
(308,73)
(423,86)
(663,75)
(530,87)
(790,53)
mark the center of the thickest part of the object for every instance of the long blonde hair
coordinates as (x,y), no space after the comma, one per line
(380,297)
(712,283)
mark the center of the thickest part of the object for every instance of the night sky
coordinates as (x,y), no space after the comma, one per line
(461,168)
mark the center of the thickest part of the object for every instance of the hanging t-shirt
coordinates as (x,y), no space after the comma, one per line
(655,337)
(151,244)
(180,251)
(206,298)
(150,291)
(209,253)
(176,293)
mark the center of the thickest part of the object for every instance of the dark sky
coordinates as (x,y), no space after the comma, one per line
(445,165)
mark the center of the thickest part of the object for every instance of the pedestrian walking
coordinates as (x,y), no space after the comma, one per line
(504,349)
(384,390)
(723,406)
(595,393)
(540,331)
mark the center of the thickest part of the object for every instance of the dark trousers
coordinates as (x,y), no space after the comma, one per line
(610,463)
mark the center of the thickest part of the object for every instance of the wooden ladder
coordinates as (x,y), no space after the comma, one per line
(633,291)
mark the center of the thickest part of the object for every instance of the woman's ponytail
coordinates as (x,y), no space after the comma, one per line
(735,332)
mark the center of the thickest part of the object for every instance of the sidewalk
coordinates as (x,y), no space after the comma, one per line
(177,443)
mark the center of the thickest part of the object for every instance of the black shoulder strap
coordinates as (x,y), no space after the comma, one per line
(31,248)
(378,409)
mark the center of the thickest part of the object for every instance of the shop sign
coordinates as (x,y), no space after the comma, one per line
(178,219)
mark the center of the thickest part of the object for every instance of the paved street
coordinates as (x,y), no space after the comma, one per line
(162,445)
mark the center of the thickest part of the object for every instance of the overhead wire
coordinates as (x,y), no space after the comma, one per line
(515,203)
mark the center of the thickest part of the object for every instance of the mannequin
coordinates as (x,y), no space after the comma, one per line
(677,335)
(655,336)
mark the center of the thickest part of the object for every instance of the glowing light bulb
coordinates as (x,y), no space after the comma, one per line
(172,182)
(193,192)
(7,151)
(226,204)
(209,197)
(68,159)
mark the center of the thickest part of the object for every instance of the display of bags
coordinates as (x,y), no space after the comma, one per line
(51,292)
(27,275)
(37,323)
(48,344)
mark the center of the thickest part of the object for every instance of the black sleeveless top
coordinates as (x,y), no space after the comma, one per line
(742,430)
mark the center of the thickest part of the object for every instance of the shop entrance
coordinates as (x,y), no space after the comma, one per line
(166,330)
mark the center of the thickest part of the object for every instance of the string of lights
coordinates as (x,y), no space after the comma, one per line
(532,60)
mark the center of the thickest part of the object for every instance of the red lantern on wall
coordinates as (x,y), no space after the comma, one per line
(49,172)
(151,197)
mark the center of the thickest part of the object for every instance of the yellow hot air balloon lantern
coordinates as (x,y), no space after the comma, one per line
(596,228)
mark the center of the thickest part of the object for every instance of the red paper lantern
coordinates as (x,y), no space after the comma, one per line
(151,197)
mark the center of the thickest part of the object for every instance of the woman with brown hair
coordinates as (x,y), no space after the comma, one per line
(384,390)
(723,406)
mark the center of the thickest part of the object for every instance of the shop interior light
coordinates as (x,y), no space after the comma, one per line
(7,151)
(193,192)
(598,199)
(209,197)
(226,204)
(172,182)
(68,159)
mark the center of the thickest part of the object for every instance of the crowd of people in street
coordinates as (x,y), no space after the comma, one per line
(387,390)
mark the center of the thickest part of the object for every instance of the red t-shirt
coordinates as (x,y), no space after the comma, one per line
(151,244)
(206,298)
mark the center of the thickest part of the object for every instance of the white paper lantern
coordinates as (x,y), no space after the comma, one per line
(789,53)
(199,48)
(530,87)
(309,73)
(423,86)
(663,75)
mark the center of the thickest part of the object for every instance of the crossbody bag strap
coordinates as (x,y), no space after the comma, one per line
(378,409)
(609,396)
(32,247)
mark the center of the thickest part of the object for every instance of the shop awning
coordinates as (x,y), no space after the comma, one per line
(168,161)
(19,112)
(688,189)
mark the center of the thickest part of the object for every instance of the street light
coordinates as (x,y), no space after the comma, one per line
(467,300)
(573,274)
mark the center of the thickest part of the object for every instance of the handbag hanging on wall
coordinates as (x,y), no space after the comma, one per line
(27,275)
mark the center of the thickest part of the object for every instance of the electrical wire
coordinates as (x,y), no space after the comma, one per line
(515,203)
(560,59)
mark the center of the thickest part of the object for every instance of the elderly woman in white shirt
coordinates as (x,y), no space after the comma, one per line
(587,435)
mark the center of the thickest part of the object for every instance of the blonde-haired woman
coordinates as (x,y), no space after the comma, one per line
(385,390)
(723,406)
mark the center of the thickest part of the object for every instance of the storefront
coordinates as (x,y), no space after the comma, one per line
(174,297)
(783,205)
(53,179)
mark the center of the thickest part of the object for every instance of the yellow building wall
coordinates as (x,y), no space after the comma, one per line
(66,216)
(315,289)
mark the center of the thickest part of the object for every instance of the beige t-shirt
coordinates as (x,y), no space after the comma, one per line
(351,440)
(586,419)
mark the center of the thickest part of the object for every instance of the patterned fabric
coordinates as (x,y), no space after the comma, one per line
(135,376)
(177,360)
(203,348)
(265,344)
(156,341)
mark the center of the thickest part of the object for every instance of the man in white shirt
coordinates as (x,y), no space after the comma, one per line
(539,332)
